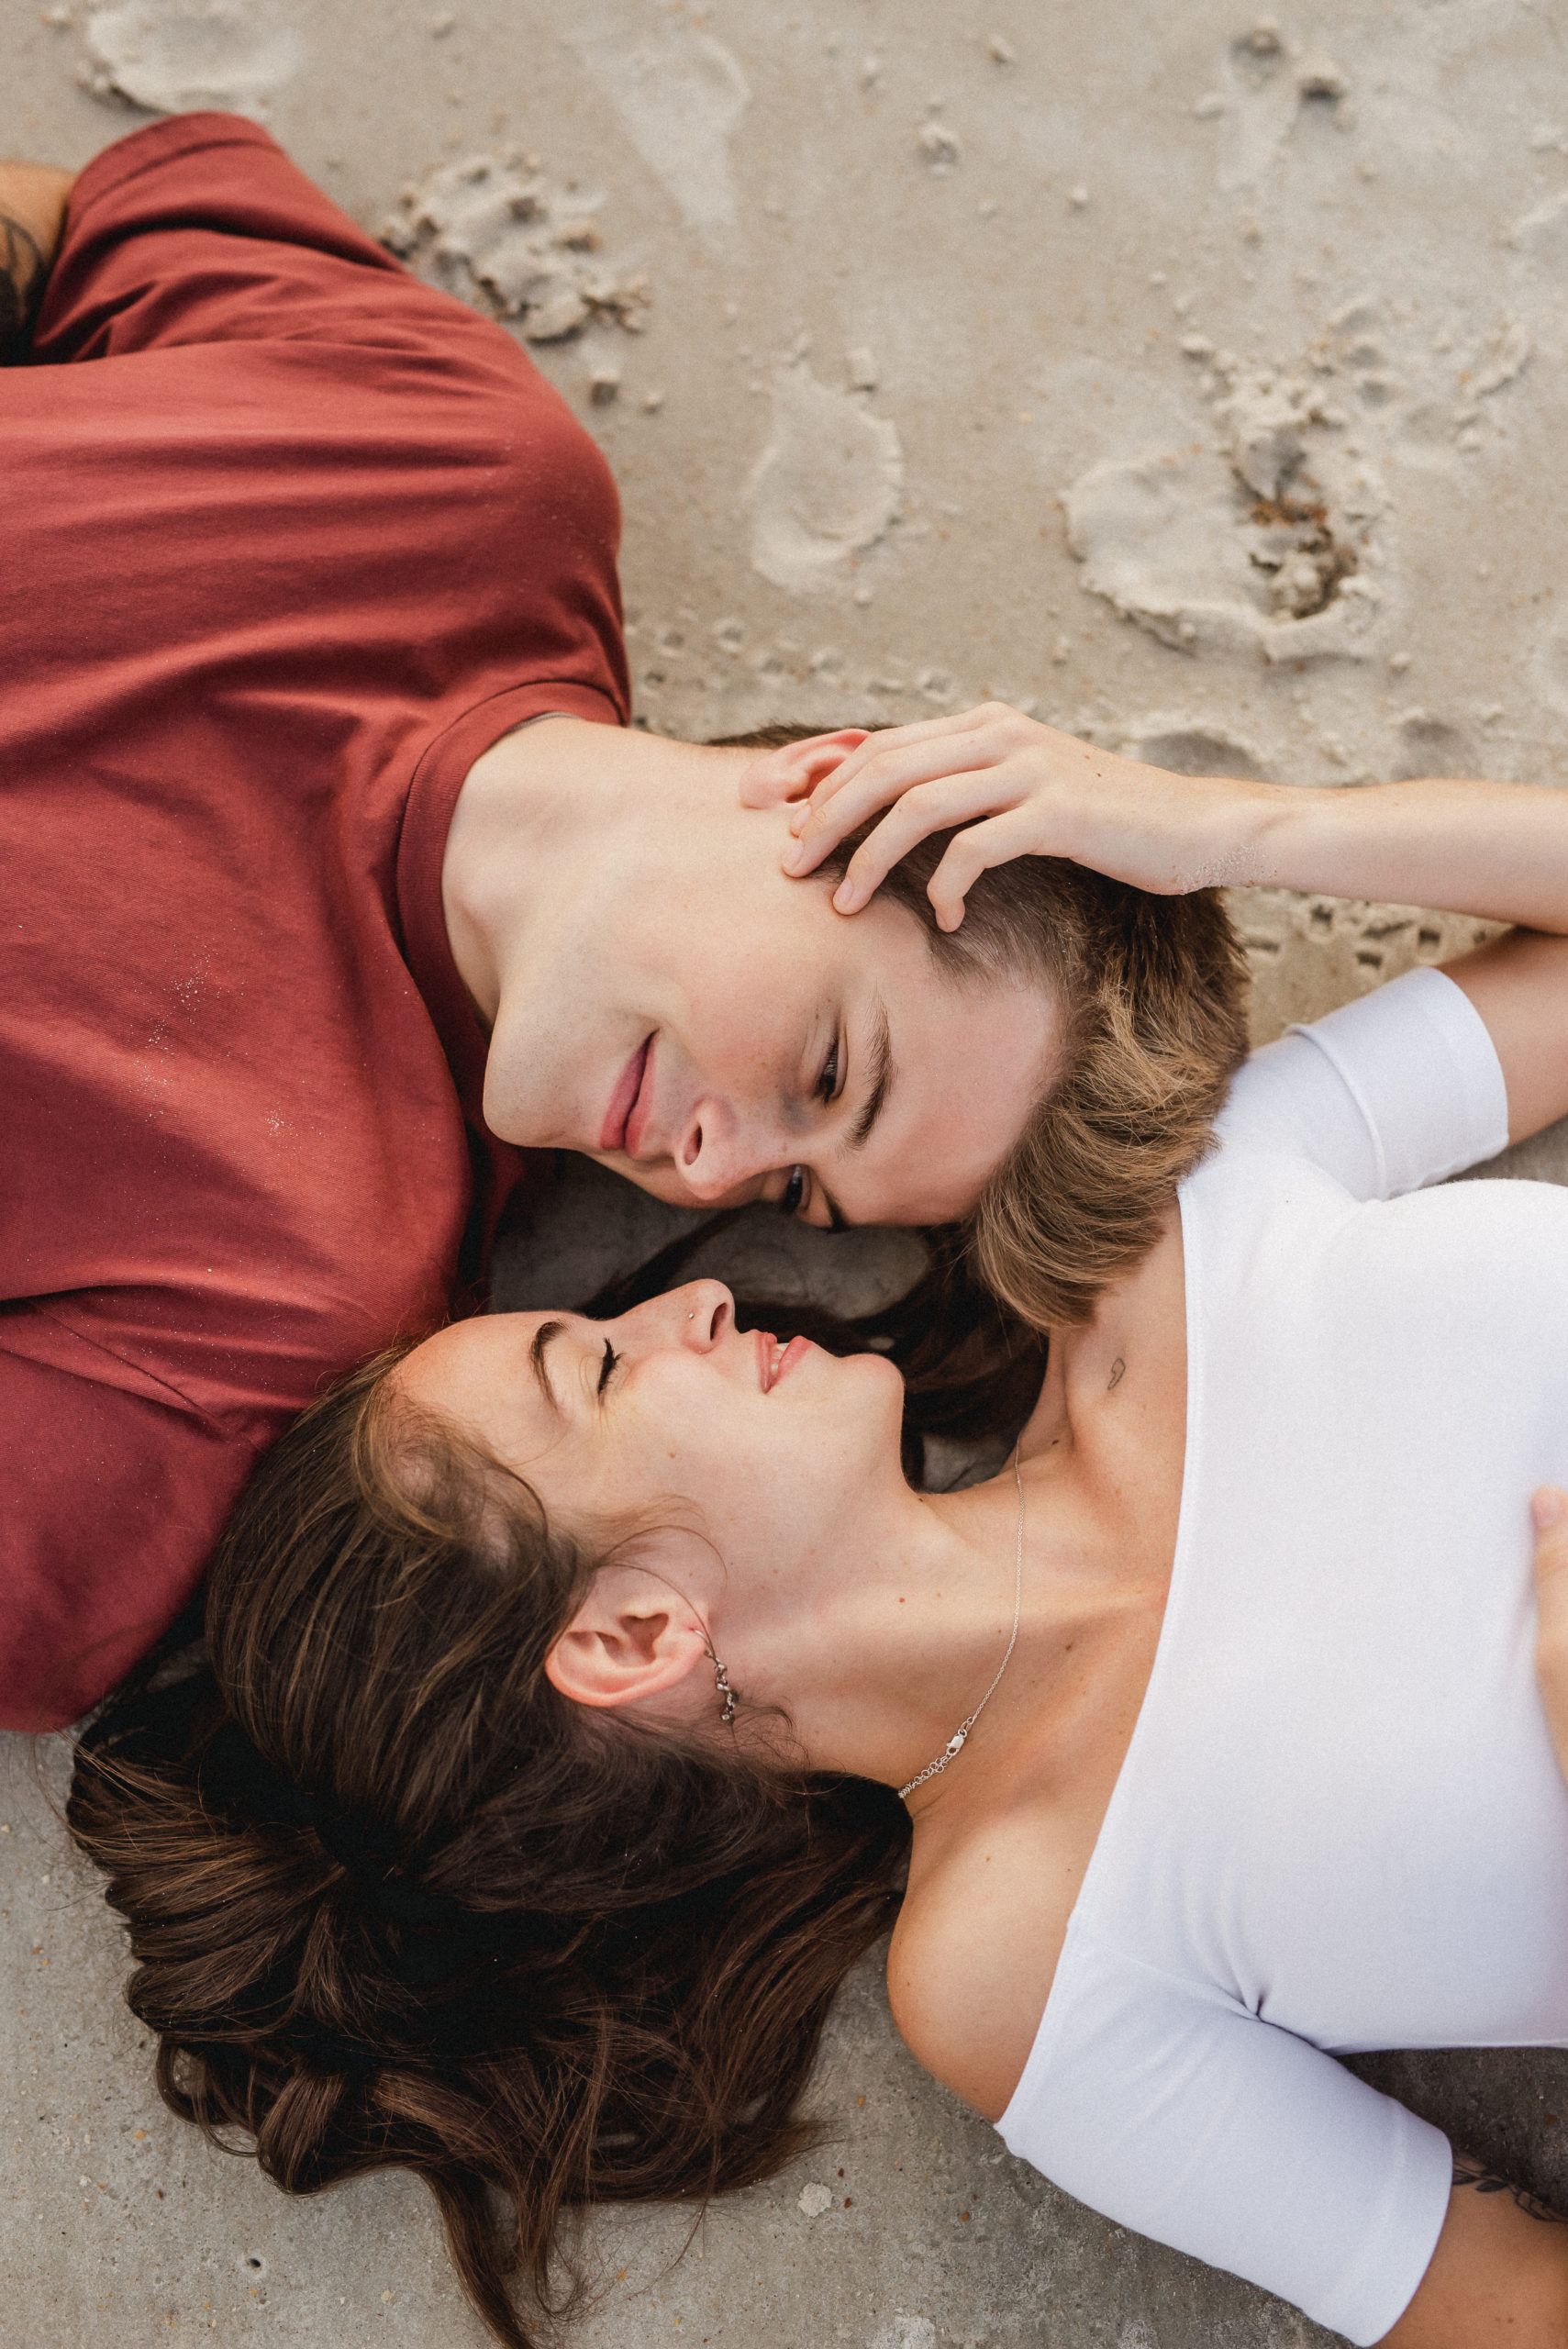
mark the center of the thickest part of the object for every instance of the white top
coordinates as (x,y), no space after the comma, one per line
(1339,1823)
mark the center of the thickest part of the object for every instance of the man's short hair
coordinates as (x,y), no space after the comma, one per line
(1152,993)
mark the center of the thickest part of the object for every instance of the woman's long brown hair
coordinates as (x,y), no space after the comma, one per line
(659,1926)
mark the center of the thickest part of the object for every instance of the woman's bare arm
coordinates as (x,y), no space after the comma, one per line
(1520,985)
(1010,786)
(33,197)
(1007,787)
(1498,2278)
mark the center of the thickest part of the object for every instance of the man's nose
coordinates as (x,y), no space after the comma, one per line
(723,1149)
(695,1314)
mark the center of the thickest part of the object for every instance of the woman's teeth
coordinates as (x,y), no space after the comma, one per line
(776,1358)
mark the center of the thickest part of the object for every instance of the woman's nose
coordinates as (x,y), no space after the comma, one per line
(695,1314)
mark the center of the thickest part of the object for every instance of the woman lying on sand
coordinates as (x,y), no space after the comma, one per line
(582,1697)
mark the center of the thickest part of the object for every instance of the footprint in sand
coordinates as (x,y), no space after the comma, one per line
(681,95)
(826,487)
(177,59)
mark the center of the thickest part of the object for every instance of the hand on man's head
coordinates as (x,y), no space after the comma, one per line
(792,770)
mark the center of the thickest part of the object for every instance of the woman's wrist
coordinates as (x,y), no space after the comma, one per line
(1303,837)
(1225,828)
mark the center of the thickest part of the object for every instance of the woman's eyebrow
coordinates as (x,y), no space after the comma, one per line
(542,1336)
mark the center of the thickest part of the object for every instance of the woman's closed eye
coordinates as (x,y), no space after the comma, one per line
(607,1367)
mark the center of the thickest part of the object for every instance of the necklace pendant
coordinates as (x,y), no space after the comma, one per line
(960,1737)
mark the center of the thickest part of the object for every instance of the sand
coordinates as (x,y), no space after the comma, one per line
(1191,379)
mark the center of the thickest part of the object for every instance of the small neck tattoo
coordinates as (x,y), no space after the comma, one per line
(1119,1371)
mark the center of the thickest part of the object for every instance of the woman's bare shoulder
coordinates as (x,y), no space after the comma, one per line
(975,1951)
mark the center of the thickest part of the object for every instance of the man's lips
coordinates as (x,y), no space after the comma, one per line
(774,1360)
(623,1103)
(642,1104)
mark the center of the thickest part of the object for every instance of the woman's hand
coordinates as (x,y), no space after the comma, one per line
(1015,788)
(1548,1507)
(1011,787)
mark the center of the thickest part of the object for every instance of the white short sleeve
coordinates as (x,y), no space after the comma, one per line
(1401,1089)
(1174,2111)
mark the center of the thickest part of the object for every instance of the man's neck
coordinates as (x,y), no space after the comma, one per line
(556,796)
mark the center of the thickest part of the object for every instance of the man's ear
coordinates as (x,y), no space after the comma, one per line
(794,770)
(633,1638)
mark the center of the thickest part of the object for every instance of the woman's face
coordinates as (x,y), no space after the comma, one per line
(771,1447)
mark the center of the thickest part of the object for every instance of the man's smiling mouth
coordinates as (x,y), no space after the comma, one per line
(624,1102)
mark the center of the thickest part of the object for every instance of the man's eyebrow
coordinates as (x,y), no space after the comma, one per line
(542,1336)
(880,1062)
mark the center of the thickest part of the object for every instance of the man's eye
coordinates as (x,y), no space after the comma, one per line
(793,1191)
(828,1083)
(606,1367)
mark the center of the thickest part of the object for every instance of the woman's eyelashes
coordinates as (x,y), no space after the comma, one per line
(828,1083)
(606,1368)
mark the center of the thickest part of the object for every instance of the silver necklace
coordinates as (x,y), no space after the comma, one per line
(956,1741)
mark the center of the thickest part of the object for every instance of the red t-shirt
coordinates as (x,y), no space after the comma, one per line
(289,539)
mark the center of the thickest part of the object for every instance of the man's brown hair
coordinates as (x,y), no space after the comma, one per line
(1153,994)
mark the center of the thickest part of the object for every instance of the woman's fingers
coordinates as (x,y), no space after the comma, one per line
(794,770)
(1548,1513)
(883,766)
(976,851)
(920,729)
(1549,1508)
(920,790)
(940,807)
(962,770)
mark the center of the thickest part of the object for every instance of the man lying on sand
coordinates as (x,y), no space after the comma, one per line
(336,878)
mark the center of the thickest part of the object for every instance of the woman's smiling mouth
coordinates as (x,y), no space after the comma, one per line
(774,1358)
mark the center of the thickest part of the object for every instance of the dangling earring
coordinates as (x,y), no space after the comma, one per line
(721,1682)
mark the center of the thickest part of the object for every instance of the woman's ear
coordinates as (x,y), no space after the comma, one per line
(633,1638)
(794,770)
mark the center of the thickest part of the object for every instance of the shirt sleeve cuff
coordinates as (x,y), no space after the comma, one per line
(1418,1059)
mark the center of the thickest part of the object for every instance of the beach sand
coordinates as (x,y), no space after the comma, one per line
(1192,380)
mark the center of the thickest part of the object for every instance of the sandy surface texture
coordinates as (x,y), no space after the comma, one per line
(1191,379)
